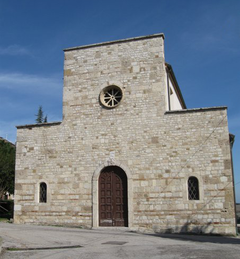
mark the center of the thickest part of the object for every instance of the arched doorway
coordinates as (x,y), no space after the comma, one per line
(113,200)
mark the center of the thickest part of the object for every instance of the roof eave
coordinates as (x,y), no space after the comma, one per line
(177,88)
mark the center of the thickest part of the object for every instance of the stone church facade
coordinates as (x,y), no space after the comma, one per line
(128,153)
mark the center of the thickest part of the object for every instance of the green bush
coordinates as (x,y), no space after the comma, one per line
(7,167)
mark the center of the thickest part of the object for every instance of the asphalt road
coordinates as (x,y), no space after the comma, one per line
(26,241)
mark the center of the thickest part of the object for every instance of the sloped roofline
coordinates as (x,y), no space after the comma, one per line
(7,141)
(175,84)
(116,41)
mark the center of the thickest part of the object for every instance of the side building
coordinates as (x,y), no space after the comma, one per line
(128,152)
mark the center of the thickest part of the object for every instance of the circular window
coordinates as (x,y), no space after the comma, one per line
(111,96)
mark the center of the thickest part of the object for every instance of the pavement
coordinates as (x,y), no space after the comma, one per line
(37,242)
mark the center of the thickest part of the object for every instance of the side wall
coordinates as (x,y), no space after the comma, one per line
(44,155)
(188,143)
(174,101)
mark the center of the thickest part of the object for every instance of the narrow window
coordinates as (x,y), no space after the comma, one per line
(193,188)
(43,193)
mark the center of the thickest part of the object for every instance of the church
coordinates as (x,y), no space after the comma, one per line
(127,153)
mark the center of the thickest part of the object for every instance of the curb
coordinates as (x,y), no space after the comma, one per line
(0,245)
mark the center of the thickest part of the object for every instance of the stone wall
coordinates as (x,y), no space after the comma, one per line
(191,143)
(158,150)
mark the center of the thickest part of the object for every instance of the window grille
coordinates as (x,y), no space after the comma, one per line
(43,193)
(111,96)
(193,188)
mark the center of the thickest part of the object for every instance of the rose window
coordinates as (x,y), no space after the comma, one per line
(111,96)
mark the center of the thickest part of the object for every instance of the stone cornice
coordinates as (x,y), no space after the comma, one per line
(39,125)
(116,42)
(197,110)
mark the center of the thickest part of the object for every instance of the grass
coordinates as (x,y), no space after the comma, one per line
(4,220)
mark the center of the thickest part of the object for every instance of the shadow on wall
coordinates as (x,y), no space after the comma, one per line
(192,227)
(190,231)
(202,238)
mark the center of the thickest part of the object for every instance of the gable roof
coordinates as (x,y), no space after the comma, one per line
(175,84)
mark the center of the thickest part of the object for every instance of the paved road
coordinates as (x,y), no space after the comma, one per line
(66,243)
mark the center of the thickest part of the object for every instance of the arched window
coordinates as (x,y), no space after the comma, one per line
(193,188)
(43,193)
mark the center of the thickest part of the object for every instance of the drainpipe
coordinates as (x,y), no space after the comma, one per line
(231,140)
(169,104)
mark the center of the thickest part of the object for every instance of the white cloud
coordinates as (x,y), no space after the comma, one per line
(15,50)
(30,83)
(8,130)
(21,94)
(208,41)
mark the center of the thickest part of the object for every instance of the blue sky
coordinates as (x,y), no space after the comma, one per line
(202,43)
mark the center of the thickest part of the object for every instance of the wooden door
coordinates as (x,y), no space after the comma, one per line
(113,209)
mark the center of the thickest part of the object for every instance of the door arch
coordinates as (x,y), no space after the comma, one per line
(113,197)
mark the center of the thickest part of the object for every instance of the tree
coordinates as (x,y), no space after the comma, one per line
(7,167)
(40,116)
